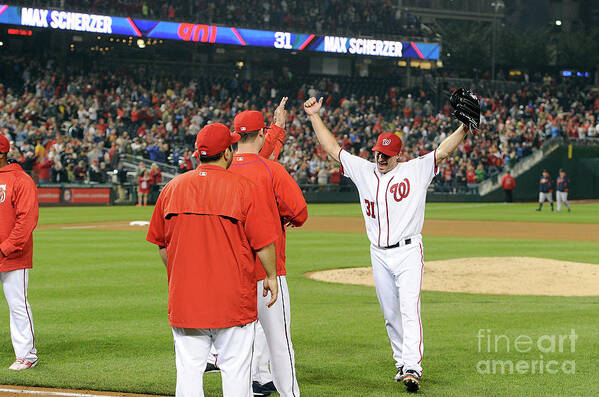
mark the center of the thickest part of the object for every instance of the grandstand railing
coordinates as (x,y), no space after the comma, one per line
(168,171)
(550,145)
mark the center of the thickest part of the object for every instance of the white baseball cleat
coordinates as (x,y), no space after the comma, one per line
(21,364)
(399,376)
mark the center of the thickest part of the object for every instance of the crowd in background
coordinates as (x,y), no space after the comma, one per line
(347,17)
(70,125)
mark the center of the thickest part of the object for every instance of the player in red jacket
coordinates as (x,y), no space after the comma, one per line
(18,215)
(209,226)
(273,143)
(287,207)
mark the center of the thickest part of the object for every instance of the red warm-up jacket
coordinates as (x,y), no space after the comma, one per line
(18,218)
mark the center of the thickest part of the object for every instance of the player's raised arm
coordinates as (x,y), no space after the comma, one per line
(326,138)
(275,134)
(280,115)
(450,143)
(466,108)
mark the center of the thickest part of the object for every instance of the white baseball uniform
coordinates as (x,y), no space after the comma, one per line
(545,197)
(562,197)
(15,285)
(261,360)
(561,194)
(234,345)
(393,208)
(18,219)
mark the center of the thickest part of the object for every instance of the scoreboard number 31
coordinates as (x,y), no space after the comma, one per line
(283,40)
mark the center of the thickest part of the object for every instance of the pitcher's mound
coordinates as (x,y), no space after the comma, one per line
(498,275)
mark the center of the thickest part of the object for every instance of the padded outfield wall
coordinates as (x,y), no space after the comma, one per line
(582,168)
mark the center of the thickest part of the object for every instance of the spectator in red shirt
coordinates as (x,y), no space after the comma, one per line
(508,183)
(471,178)
(44,167)
(143,189)
(335,176)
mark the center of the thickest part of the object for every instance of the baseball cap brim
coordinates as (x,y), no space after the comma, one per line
(385,150)
(235,137)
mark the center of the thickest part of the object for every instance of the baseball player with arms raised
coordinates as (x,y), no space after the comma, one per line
(287,206)
(393,196)
(18,218)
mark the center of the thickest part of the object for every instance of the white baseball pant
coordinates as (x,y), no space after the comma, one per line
(398,280)
(234,348)
(275,321)
(561,197)
(15,285)
(213,357)
(261,359)
(260,363)
(545,196)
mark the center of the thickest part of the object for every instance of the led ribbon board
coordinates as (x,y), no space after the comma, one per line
(81,22)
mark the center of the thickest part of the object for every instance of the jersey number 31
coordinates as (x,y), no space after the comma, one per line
(370,208)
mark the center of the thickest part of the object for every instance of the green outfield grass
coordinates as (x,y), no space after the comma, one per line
(520,212)
(99,305)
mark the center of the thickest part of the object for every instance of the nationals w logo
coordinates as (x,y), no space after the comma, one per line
(386,142)
(2,193)
(400,190)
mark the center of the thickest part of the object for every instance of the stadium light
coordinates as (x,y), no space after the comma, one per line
(141,43)
(558,22)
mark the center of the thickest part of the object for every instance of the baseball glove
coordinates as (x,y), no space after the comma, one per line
(466,107)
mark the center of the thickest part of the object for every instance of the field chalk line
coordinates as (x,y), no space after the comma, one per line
(50,393)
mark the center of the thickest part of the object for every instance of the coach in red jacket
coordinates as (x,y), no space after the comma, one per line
(508,183)
(19,213)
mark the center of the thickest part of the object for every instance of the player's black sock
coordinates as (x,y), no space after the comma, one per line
(551,206)
(540,206)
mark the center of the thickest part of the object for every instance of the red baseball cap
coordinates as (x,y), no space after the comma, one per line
(388,143)
(248,121)
(4,144)
(214,139)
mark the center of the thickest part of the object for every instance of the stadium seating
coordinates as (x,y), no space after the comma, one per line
(88,120)
(333,17)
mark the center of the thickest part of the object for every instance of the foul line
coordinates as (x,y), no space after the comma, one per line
(50,393)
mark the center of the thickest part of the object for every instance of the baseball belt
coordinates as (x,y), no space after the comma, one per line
(399,244)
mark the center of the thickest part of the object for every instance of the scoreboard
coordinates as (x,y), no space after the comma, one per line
(210,34)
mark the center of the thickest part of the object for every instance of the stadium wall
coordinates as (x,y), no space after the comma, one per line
(582,168)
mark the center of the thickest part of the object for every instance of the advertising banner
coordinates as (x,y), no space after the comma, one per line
(210,34)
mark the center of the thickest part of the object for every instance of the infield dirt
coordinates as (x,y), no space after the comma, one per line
(497,275)
(434,227)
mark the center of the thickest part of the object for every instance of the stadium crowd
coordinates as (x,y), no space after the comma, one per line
(73,125)
(339,16)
